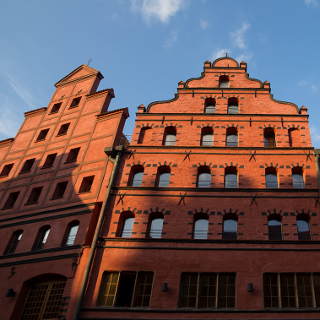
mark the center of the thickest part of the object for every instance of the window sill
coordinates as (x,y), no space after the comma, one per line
(36,141)
(61,135)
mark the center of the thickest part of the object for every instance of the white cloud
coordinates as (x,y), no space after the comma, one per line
(161,10)
(315,88)
(247,56)
(171,39)
(204,24)
(238,36)
(21,91)
(311,3)
(219,53)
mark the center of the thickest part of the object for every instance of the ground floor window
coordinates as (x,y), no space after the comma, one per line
(44,299)
(207,290)
(291,290)
(126,289)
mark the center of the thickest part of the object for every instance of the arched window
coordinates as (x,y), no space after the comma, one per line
(209,105)
(204,177)
(275,228)
(13,242)
(269,138)
(144,133)
(223,81)
(71,234)
(232,137)
(233,106)
(297,178)
(136,176)
(271,178)
(200,227)
(231,177)
(43,298)
(230,225)
(126,224)
(163,176)
(155,226)
(41,238)
(293,137)
(169,137)
(207,136)
(303,227)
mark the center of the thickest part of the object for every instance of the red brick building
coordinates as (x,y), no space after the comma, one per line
(54,178)
(215,213)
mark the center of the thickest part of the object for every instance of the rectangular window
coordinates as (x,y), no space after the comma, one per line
(11,200)
(42,134)
(49,161)
(75,102)
(63,129)
(126,289)
(207,290)
(73,155)
(86,184)
(291,290)
(6,170)
(34,196)
(56,107)
(59,190)
(27,166)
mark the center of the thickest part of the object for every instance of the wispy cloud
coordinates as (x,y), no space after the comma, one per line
(311,3)
(8,118)
(238,36)
(220,53)
(315,135)
(20,90)
(315,88)
(204,24)
(171,39)
(247,56)
(161,10)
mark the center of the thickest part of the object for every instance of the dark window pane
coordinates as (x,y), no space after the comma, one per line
(73,155)
(60,189)
(125,289)
(11,200)
(288,297)
(13,242)
(42,134)
(108,288)
(27,166)
(270,288)
(226,290)
(41,238)
(86,184)
(305,298)
(303,230)
(34,196)
(56,107)
(6,170)
(143,289)
(207,290)
(63,129)
(188,290)
(75,102)
(229,229)
(49,161)
(275,230)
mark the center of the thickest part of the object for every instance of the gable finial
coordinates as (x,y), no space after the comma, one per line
(226,54)
(89,61)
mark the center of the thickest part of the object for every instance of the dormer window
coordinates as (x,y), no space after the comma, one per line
(224,82)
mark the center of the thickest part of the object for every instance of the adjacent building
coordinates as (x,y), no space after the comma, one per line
(54,177)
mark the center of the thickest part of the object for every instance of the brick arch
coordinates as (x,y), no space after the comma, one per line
(154,210)
(205,125)
(293,165)
(271,164)
(303,212)
(165,163)
(231,164)
(293,126)
(232,125)
(204,164)
(274,212)
(273,126)
(145,125)
(232,212)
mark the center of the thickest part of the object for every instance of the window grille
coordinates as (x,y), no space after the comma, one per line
(201,227)
(156,227)
(126,289)
(207,290)
(291,290)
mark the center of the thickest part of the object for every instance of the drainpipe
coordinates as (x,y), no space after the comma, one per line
(114,155)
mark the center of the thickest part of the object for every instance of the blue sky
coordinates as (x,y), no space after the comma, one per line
(144,47)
